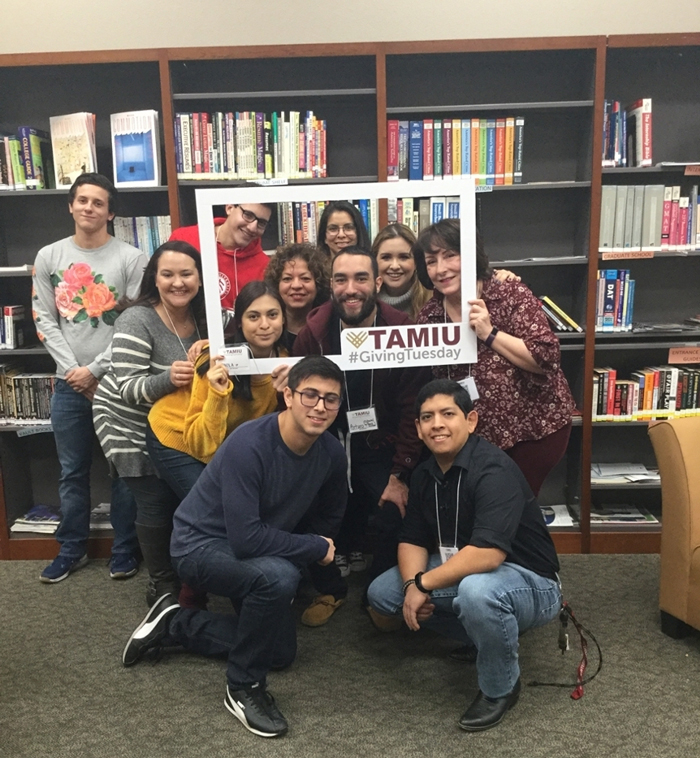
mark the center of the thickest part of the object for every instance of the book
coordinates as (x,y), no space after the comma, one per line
(392,149)
(415,147)
(136,148)
(39,519)
(639,132)
(518,137)
(73,144)
(13,322)
(403,149)
(607,216)
(564,316)
(36,157)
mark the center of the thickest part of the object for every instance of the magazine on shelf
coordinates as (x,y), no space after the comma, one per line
(136,149)
(73,143)
(40,519)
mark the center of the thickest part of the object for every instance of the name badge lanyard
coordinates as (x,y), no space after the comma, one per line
(447,552)
(354,424)
(182,344)
(468,382)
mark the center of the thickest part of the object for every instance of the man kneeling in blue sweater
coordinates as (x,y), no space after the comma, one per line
(262,510)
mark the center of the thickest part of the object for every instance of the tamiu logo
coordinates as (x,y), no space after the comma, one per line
(357,339)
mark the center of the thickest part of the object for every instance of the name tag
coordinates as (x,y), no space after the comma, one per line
(447,552)
(362,420)
(470,386)
(236,357)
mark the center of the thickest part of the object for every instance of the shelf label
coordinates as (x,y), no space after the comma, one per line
(684,354)
(610,255)
(268,182)
(35,429)
(692,170)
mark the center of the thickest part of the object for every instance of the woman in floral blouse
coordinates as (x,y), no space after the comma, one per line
(525,403)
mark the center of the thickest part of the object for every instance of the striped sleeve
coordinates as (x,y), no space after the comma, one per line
(139,380)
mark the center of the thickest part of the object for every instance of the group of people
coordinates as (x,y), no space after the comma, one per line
(235,485)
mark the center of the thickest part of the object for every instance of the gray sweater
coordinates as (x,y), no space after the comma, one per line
(75,293)
(143,349)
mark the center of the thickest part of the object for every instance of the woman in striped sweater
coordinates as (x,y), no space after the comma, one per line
(149,360)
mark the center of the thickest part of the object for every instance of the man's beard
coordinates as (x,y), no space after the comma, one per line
(353,320)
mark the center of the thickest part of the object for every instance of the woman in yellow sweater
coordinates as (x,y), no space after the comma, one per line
(187,427)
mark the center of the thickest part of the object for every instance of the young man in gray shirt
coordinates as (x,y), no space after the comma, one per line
(77,283)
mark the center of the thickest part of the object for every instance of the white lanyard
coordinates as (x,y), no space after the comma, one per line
(467,383)
(182,344)
(447,552)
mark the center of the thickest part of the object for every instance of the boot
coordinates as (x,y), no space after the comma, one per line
(155,547)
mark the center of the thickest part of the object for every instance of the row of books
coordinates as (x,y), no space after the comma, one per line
(298,222)
(649,218)
(627,133)
(652,392)
(558,318)
(614,300)
(490,149)
(11,327)
(44,519)
(147,233)
(35,159)
(24,396)
(417,213)
(250,145)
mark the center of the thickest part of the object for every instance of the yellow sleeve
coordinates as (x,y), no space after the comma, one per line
(206,418)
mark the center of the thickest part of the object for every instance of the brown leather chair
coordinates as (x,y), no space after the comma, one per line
(677,446)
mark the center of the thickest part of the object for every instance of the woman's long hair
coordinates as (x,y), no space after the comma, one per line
(248,294)
(148,293)
(419,294)
(342,206)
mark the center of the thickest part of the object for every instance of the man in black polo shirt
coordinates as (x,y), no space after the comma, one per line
(476,561)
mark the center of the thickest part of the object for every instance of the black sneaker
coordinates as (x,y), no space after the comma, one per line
(256,709)
(151,630)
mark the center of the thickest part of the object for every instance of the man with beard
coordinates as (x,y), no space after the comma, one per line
(381,460)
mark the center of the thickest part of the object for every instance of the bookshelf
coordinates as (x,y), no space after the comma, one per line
(553,217)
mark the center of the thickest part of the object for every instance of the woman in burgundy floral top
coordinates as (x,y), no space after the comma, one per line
(525,404)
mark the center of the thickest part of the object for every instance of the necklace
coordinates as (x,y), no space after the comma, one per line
(172,323)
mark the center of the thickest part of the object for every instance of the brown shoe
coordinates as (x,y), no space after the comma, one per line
(384,623)
(320,610)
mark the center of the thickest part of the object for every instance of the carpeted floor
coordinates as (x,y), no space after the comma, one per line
(351,692)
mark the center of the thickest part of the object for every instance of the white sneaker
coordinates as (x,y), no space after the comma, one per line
(357,562)
(341,561)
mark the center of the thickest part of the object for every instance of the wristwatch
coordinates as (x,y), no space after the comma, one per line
(489,340)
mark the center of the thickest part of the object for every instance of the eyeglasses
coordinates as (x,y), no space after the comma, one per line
(310,398)
(334,229)
(249,217)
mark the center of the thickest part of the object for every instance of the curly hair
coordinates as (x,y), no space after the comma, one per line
(314,259)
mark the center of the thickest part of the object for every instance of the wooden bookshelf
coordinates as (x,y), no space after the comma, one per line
(558,84)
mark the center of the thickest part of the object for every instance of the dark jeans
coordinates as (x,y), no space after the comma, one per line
(370,471)
(263,634)
(178,469)
(74,432)
(155,500)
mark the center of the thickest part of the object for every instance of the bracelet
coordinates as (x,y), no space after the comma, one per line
(419,583)
(406,585)
(489,340)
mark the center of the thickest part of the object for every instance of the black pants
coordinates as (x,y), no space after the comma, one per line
(370,471)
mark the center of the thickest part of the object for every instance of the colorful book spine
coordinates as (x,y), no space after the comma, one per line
(392,149)
(416,151)
(518,137)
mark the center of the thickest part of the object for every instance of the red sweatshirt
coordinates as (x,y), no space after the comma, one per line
(236,267)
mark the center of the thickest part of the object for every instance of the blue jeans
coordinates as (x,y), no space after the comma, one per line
(489,610)
(73,430)
(262,634)
(178,469)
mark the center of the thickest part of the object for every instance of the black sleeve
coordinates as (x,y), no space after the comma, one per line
(326,514)
(498,506)
(415,529)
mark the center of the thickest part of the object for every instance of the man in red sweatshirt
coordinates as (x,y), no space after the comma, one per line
(239,252)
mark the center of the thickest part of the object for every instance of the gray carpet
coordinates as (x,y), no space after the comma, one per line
(351,692)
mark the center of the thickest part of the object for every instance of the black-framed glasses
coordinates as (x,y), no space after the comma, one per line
(310,398)
(334,229)
(249,217)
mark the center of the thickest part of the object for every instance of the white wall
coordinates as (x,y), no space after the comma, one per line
(60,25)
